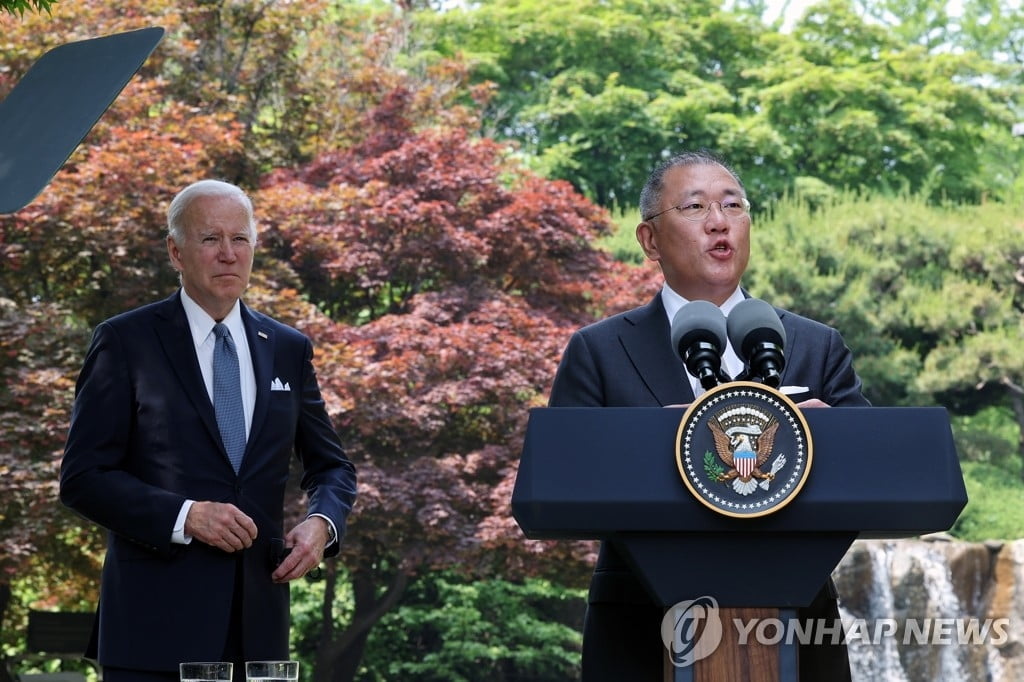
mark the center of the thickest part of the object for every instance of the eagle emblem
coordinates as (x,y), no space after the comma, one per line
(743,439)
(743,449)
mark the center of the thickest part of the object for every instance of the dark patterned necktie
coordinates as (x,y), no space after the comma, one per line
(227,395)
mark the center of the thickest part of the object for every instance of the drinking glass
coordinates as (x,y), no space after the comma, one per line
(206,672)
(271,671)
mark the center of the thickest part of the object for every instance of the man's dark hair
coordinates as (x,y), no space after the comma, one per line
(650,195)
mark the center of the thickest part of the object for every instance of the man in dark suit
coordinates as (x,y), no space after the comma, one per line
(190,491)
(696,225)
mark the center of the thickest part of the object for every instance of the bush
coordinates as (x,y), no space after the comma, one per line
(995,507)
(449,631)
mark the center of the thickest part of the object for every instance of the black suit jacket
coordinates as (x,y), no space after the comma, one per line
(144,437)
(627,360)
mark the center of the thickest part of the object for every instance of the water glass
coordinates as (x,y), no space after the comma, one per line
(271,671)
(206,672)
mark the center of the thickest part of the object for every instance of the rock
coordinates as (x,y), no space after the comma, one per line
(934,608)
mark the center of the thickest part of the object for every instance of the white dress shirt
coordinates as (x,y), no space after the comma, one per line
(201,325)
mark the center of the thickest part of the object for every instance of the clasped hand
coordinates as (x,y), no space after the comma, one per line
(226,527)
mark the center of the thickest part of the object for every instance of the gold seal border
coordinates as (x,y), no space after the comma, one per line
(732,386)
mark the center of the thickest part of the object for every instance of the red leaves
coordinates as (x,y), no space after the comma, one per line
(454,279)
(38,372)
(438,279)
(438,210)
(94,237)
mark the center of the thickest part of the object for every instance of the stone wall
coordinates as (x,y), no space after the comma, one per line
(934,609)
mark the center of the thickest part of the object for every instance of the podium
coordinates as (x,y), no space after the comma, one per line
(610,474)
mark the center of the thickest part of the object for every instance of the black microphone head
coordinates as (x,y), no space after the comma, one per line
(699,338)
(699,321)
(751,323)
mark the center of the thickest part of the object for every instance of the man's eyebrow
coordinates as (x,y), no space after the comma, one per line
(704,193)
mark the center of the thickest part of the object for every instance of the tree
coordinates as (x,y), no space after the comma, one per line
(928,24)
(454,279)
(438,279)
(87,247)
(857,108)
(494,630)
(36,366)
(929,298)
(599,91)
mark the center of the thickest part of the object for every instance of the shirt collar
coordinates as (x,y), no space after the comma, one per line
(201,324)
(673,302)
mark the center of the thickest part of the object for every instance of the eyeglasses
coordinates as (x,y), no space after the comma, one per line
(697,210)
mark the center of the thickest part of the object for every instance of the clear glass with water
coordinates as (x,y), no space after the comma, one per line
(271,671)
(213,671)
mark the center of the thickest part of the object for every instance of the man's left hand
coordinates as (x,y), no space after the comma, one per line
(307,541)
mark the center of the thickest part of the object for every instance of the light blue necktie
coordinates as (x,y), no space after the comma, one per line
(227,395)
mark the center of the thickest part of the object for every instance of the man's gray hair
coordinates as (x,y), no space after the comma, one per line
(205,188)
(650,195)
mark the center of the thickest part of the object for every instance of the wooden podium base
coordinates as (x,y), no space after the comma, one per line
(748,662)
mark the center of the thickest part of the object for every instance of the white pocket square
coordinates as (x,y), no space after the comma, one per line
(276,385)
(792,390)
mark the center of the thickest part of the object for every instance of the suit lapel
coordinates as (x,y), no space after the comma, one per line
(176,339)
(261,347)
(646,339)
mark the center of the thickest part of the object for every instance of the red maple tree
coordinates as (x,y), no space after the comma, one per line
(438,278)
(453,279)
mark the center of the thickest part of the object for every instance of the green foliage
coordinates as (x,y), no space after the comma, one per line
(307,609)
(448,278)
(447,630)
(929,298)
(990,436)
(711,466)
(995,507)
(595,92)
(63,574)
(859,108)
(988,446)
(19,7)
(621,241)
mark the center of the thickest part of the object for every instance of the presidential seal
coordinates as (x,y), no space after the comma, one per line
(743,449)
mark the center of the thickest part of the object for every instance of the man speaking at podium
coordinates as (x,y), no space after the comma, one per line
(696,225)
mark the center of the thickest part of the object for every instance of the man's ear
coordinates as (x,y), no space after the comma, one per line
(648,241)
(173,253)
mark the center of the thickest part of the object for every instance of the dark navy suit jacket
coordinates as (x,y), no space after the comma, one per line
(144,437)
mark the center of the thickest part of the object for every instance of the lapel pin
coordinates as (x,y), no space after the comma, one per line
(262,335)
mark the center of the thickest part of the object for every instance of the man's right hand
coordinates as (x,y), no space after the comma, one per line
(219,524)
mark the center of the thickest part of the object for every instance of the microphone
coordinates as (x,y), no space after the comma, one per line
(699,337)
(757,336)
